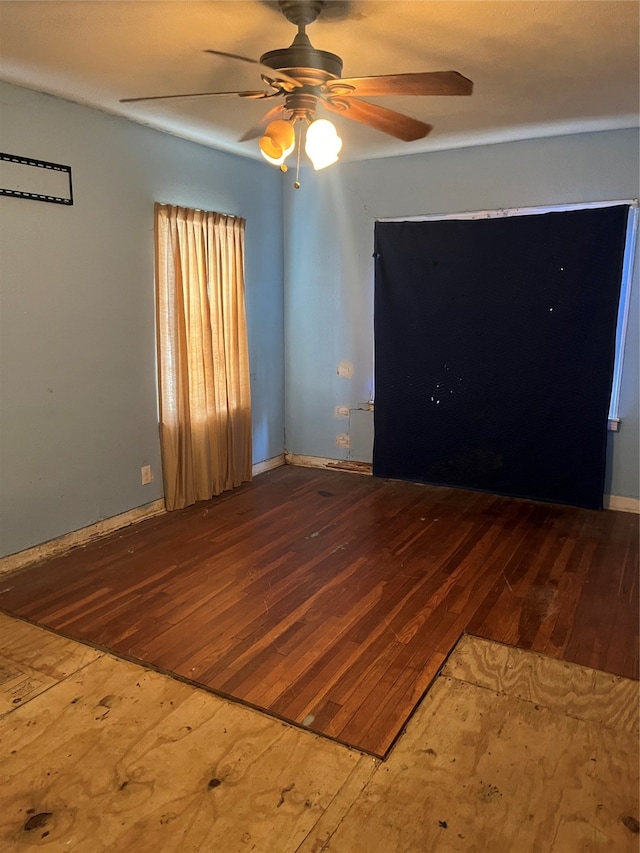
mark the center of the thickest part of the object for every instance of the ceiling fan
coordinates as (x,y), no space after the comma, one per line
(304,76)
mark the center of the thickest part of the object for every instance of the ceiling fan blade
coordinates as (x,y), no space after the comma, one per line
(250,94)
(266,68)
(259,128)
(424,83)
(388,121)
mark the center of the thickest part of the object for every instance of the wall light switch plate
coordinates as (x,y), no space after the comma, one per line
(342,440)
(146,475)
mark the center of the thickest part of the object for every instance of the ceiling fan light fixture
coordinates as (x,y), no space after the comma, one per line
(322,143)
(278,142)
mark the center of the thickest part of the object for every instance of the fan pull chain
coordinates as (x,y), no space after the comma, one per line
(296,183)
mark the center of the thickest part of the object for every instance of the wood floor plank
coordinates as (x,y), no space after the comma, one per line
(319,593)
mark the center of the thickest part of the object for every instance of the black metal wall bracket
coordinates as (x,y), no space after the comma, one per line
(39,180)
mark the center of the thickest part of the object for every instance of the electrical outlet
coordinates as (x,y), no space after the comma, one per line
(342,440)
(146,475)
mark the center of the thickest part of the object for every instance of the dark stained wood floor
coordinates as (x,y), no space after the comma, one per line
(332,599)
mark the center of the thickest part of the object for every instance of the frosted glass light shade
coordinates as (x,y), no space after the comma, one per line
(278,142)
(322,143)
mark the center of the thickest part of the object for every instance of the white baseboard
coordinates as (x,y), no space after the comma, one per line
(58,546)
(268,465)
(622,504)
(334,464)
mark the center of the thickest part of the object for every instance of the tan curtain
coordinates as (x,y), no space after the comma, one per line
(203,359)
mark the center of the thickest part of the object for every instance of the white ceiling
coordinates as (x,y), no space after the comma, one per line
(539,68)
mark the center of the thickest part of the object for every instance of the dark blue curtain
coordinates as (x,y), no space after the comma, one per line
(494,350)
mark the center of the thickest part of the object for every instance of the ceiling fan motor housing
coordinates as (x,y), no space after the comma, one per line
(302,55)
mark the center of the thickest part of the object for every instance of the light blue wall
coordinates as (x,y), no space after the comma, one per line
(77,345)
(328,230)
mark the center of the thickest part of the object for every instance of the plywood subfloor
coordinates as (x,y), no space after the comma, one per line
(32,660)
(494,761)
(117,757)
(111,756)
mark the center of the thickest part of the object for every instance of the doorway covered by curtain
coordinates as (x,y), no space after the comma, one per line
(494,351)
(203,359)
